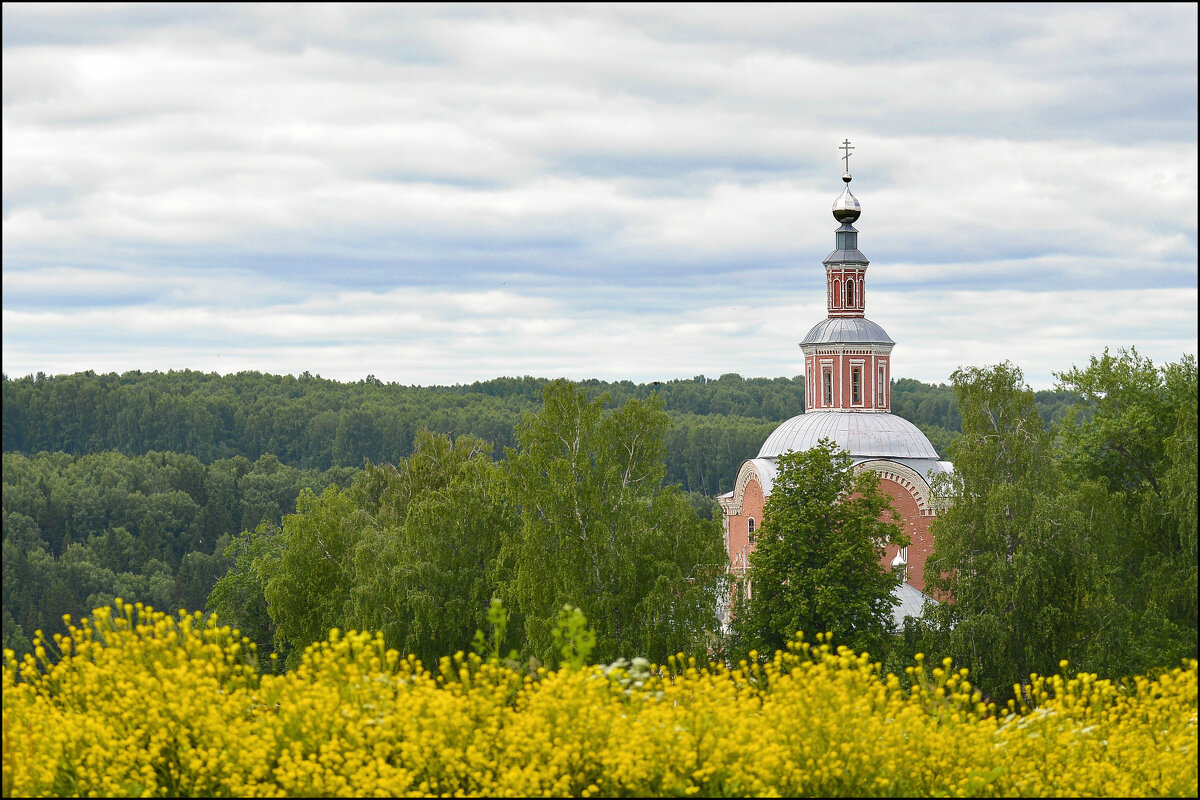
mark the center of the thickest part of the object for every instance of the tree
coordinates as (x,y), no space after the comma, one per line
(309,578)
(426,572)
(816,567)
(1011,557)
(238,598)
(409,551)
(1134,438)
(601,532)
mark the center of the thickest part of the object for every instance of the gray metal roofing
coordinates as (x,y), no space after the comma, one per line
(766,474)
(912,604)
(926,467)
(846,257)
(856,330)
(858,433)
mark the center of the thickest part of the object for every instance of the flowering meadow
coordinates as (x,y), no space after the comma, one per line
(137,702)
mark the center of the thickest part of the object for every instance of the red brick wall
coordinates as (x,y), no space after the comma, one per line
(842,381)
(752,506)
(916,525)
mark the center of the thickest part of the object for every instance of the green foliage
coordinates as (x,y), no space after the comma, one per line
(598,528)
(82,530)
(1067,541)
(417,551)
(816,567)
(572,637)
(312,423)
(409,551)
(489,650)
(1135,441)
(1002,550)
(426,569)
(238,598)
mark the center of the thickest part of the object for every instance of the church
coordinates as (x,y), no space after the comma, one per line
(847,399)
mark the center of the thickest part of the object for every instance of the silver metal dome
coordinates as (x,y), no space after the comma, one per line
(858,433)
(846,208)
(858,330)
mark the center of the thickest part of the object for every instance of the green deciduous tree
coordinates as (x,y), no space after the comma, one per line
(600,531)
(238,598)
(426,572)
(409,550)
(308,581)
(1015,554)
(1134,438)
(816,567)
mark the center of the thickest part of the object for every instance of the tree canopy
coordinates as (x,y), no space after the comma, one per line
(1078,542)
(816,565)
(309,422)
(600,530)
(577,514)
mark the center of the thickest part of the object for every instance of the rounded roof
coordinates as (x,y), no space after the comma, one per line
(858,330)
(859,433)
(846,208)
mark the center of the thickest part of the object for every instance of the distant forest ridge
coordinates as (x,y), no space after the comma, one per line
(313,423)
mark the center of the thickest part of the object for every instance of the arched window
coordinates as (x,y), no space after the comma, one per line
(750,528)
(827,385)
(850,293)
(856,386)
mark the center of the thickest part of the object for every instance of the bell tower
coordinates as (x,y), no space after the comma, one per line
(847,357)
(846,267)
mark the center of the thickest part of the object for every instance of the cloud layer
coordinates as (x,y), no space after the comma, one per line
(443,194)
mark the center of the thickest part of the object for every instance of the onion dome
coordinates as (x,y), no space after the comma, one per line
(856,432)
(846,208)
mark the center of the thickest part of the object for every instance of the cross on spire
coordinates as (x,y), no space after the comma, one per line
(846,147)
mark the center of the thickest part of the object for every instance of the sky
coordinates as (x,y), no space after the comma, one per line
(445,194)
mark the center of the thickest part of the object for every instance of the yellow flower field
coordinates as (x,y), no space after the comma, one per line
(142,703)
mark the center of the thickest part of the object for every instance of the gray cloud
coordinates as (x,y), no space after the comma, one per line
(627,166)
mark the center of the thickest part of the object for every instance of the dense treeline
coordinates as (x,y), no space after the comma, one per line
(934,409)
(313,423)
(136,484)
(81,530)
(576,514)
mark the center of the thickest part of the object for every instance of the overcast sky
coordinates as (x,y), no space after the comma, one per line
(454,193)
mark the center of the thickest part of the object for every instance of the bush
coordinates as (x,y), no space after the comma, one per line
(139,703)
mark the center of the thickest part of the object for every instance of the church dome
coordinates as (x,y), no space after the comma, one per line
(859,433)
(857,330)
(846,208)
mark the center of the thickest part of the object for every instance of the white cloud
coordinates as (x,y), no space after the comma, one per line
(461,192)
(428,336)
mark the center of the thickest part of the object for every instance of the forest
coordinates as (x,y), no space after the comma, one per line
(153,486)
